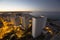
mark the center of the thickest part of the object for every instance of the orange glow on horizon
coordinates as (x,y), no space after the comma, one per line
(18,9)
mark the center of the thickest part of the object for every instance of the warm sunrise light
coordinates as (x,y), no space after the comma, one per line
(17,9)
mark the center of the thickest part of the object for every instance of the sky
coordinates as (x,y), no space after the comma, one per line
(30,5)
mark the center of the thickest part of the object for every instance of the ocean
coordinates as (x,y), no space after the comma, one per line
(50,15)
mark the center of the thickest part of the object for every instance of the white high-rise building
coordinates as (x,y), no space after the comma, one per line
(38,23)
